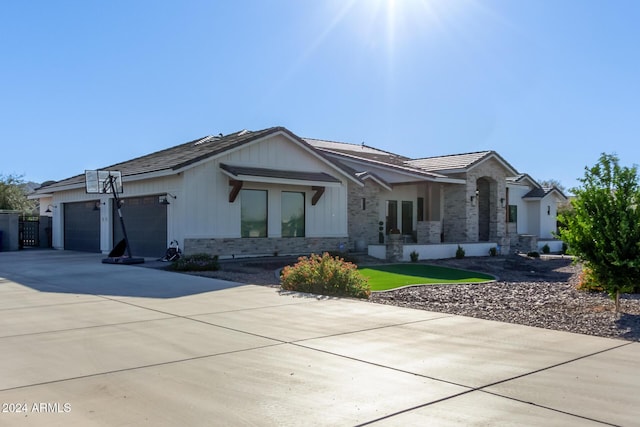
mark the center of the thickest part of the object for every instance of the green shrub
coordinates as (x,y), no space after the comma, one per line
(533,254)
(493,251)
(325,275)
(196,262)
(460,252)
(565,248)
(414,256)
(546,249)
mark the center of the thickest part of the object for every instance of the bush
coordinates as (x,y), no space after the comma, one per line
(493,251)
(414,256)
(588,282)
(344,255)
(460,252)
(546,249)
(565,248)
(325,275)
(533,254)
(196,262)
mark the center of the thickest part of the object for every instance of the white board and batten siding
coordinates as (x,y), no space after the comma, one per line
(211,215)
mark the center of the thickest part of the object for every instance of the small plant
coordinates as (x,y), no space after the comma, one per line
(533,254)
(196,262)
(546,249)
(460,252)
(493,251)
(345,256)
(414,256)
(325,275)
(588,282)
(565,248)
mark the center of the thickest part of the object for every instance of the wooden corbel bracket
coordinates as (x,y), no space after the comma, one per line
(319,192)
(236,186)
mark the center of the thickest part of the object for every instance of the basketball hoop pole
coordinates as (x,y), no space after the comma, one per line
(111,179)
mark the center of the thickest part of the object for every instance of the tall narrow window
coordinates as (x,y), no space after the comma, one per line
(420,208)
(392,215)
(407,217)
(292,214)
(253,213)
(513,213)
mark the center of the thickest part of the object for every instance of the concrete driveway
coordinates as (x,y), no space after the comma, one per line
(84,343)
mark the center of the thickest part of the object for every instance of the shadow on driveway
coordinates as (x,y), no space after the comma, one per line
(84,273)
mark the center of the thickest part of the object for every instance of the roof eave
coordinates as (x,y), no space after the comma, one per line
(421,175)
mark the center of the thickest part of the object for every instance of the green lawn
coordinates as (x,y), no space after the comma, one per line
(385,277)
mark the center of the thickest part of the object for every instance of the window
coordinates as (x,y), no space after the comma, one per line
(253,213)
(513,213)
(392,215)
(407,217)
(420,208)
(292,214)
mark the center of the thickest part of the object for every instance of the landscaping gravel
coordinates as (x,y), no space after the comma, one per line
(535,292)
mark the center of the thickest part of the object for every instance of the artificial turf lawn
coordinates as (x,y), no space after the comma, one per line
(385,277)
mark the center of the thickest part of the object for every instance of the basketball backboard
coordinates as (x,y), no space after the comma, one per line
(99,181)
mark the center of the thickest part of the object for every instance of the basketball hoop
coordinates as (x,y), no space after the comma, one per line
(110,182)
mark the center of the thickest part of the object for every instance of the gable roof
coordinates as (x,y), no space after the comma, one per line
(522,179)
(458,162)
(369,156)
(174,158)
(361,151)
(541,192)
(170,160)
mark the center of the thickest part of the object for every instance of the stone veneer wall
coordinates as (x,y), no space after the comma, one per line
(460,221)
(228,247)
(428,232)
(394,248)
(455,213)
(496,174)
(363,224)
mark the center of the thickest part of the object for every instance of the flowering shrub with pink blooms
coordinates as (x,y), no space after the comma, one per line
(325,275)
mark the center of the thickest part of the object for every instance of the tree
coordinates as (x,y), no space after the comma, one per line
(552,183)
(13,194)
(604,228)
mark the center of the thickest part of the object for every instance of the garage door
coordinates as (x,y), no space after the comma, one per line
(82,226)
(146,221)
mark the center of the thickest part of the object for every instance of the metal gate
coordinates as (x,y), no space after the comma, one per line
(29,231)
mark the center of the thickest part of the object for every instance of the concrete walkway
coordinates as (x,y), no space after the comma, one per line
(84,343)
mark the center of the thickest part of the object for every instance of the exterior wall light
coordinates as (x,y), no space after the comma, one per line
(474,199)
(164,200)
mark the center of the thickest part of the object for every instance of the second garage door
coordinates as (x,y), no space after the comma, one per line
(145,219)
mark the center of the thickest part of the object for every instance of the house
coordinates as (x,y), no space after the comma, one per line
(271,192)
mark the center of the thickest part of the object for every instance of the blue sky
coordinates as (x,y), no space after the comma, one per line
(548,84)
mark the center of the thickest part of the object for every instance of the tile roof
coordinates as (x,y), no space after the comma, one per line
(175,157)
(358,150)
(449,162)
(368,155)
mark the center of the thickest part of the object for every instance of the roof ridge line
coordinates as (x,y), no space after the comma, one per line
(452,155)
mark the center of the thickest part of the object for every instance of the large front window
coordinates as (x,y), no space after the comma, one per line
(253,213)
(292,214)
